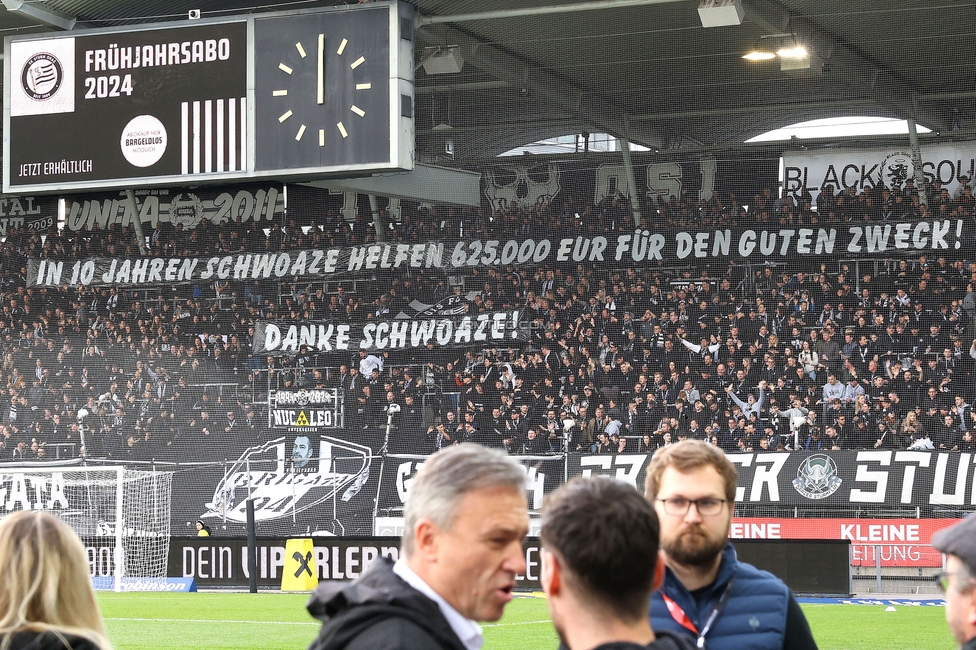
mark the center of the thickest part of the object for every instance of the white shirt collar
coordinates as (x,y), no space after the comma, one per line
(467,630)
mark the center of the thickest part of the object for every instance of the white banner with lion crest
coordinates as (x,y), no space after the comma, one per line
(867,168)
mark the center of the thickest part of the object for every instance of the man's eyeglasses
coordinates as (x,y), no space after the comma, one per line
(942,581)
(707,507)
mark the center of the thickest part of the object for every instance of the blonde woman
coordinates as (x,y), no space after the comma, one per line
(911,427)
(862,407)
(46,598)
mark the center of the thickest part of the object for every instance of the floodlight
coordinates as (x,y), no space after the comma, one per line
(795,52)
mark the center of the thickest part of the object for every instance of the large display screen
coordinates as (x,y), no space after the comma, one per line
(299,95)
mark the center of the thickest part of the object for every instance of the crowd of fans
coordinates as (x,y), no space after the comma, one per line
(628,359)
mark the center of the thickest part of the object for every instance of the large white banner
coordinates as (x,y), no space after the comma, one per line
(866,168)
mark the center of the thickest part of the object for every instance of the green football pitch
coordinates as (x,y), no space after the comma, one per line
(266,621)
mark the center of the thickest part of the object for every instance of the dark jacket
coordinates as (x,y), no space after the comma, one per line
(754,615)
(379,611)
(49,641)
(663,641)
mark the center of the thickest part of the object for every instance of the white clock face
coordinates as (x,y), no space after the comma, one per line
(298,112)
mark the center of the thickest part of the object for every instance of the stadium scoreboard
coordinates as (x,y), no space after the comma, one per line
(287,95)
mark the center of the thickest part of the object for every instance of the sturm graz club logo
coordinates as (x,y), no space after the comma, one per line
(896,169)
(186,212)
(42,76)
(817,477)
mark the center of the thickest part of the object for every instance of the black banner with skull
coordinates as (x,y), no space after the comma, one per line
(521,185)
(937,482)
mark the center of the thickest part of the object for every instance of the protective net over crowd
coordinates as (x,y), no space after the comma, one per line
(603,247)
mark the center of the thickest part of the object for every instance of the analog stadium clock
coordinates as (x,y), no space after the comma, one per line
(326,106)
(323,89)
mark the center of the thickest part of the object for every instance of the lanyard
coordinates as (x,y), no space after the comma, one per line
(682,619)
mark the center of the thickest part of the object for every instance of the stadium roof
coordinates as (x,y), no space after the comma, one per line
(643,69)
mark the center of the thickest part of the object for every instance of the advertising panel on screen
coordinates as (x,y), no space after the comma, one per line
(300,95)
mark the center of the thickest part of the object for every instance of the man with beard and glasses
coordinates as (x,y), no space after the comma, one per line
(726,603)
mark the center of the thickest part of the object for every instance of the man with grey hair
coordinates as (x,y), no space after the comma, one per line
(465,517)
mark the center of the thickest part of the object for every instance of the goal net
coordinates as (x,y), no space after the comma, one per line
(121,515)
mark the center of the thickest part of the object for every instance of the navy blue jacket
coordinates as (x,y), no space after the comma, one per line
(754,615)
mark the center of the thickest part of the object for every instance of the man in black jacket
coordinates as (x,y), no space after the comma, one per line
(465,517)
(599,564)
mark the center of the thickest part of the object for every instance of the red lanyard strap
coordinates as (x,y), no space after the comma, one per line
(679,615)
(682,619)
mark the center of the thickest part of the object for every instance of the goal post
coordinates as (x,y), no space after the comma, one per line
(119,554)
(111,508)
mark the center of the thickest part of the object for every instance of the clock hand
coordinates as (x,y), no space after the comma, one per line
(321,86)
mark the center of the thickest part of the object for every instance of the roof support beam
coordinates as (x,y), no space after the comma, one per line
(846,64)
(564,124)
(771,149)
(48,17)
(595,111)
(538,11)
(462,87)
(965,94)
(750,110)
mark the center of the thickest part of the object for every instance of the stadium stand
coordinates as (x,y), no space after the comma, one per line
(805,356)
